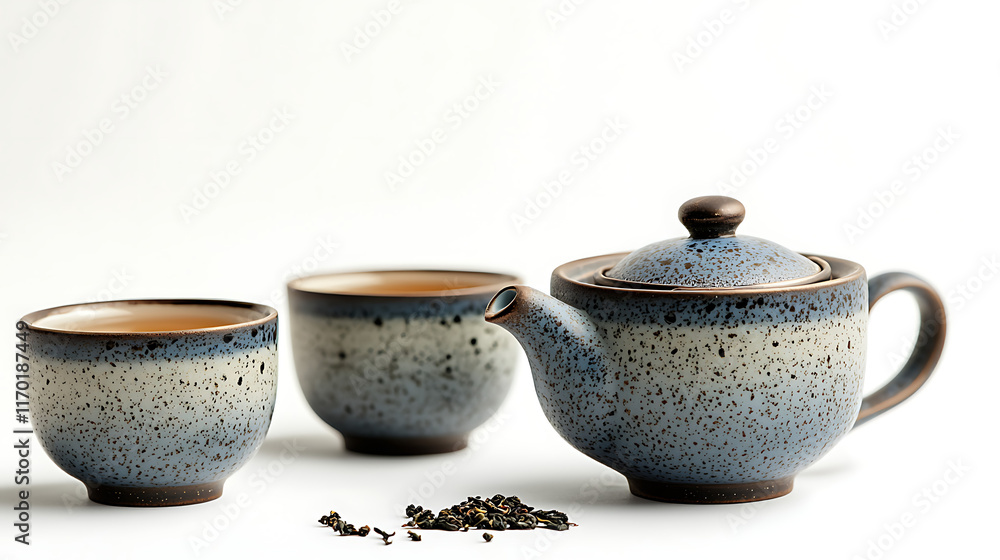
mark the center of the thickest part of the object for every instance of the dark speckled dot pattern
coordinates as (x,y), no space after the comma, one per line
(696,388)
(151,411)
(709,263)
(398,368)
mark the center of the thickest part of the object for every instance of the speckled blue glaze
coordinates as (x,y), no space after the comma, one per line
(157,418)
(731,389)
(400,375)
(710,263)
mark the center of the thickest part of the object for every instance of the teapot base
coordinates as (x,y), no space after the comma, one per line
(711,493)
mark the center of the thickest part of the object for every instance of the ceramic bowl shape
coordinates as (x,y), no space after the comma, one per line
(401,362)
(152,402)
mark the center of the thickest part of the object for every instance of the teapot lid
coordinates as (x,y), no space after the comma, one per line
(713,257)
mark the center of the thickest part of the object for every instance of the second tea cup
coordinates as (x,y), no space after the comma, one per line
(401,362)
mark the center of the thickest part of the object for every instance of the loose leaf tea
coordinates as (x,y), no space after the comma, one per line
(385,536)
(498,513)
(335,522)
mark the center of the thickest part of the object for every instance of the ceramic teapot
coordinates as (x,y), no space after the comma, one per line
(711,368)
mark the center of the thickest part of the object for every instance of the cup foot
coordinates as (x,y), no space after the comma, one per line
(155,496)
(406,446)
(711,493)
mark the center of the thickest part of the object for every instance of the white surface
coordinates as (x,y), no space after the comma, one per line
(134,219)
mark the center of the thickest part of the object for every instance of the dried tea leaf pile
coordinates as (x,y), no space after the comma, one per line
(334,522)
(498,513)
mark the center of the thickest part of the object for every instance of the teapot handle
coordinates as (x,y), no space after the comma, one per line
(926,352)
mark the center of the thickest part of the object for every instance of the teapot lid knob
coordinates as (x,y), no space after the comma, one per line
(708,217)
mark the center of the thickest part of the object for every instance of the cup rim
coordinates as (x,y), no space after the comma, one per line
(498,281)
(269,312)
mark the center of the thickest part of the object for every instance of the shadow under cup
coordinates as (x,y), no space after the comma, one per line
(401,362)
(152,402)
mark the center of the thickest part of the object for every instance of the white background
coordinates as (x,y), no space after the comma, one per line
(136,217)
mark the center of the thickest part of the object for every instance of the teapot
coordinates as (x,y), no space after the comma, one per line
(711,368)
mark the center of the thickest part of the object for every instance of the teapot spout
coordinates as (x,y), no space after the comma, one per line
(566,351)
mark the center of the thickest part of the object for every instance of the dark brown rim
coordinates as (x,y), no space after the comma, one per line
(588,266)
(824,273)
(269,314)
(502,279)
